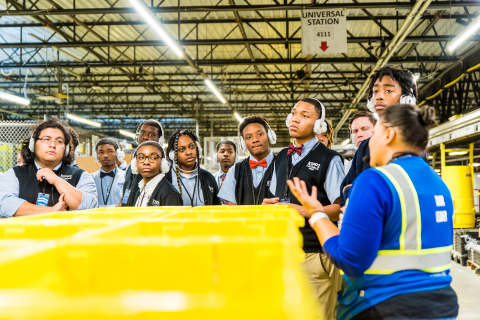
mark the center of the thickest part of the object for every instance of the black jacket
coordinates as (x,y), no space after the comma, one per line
(164,195)
(207,183)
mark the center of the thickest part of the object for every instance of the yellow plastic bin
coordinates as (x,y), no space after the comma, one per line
(459,181)
(252,278)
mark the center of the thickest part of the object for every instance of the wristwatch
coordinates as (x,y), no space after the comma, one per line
(317,216)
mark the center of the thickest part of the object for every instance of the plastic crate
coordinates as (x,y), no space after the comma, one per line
(208,212)
(239,227)
(169,278)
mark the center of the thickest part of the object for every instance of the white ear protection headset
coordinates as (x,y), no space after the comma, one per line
(404,99)
(120,154)
(164,167)
(161,140)
(76,153)
(215,158)
(320,125)
(272,138)
(31,145)
(171,154)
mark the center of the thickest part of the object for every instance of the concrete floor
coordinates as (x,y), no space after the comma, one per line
(467,286)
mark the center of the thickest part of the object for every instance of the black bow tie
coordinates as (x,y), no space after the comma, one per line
(104,174)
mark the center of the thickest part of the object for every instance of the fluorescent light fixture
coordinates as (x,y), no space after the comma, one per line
(344,143)
(209,158)
(476,164)
(430,157)
(457,153)
(127,133)
(238,117)
(415,77)
(437,170)
(214,90)
(153,22)
(83,120)
(464,35)
(14,98)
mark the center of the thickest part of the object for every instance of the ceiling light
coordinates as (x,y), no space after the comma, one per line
(437,170)
(344,143)
(127,133)
(464,35)
(476,164)
(14,98)
(214,90)
(457,153)
(150,18)
(430,157)
(96,86)
(83,120)
(238,117)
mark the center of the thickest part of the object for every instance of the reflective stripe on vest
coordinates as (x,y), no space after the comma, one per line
(410,255)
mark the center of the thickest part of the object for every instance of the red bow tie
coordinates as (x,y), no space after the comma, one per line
(254,164)
(292,149)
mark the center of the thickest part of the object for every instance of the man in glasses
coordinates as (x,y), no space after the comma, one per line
(109,179)
(46,183)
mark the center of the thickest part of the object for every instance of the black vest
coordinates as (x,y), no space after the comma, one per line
(207,183)
(313,170)
(30,187)
(245,193)
(164,195)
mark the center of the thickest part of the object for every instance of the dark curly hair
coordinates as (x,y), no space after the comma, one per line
(403,76)
(74,140)
(173,147)
(28,156)
(252,119)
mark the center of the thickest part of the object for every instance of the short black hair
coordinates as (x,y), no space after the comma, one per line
(252,119)
(28,156)
(362,114)
(150,143)
(403,76)
(316,103)
(152,123)
(227,142)
(110,141)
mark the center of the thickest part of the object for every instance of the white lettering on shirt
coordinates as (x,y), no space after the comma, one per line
(66,177)
(313,166)
(441,216)
(440,201)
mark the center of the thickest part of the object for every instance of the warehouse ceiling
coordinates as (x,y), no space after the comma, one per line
(119,72)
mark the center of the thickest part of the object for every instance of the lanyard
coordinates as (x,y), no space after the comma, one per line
(289,174)
(109,190)
(402,155)
(256,200)
(185,188)
(44,182)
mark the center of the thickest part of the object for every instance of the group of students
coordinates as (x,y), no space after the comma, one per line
(50,181)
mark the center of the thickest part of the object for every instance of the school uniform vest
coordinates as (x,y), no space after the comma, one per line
(30,187)
(313,170)
(163,195)
(207,183)
(245,193)
(417,237)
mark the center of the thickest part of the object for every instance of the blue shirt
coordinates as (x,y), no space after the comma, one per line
(191,188)
(10,188)
(218,177)
(108,191)
(370,205)
(228,188)
(335,171)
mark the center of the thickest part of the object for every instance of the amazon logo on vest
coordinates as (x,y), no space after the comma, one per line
(313,166)
(66,177)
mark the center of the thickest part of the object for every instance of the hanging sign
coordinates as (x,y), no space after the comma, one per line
(324,31)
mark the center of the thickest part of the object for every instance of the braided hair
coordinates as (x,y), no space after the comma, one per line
(173,148)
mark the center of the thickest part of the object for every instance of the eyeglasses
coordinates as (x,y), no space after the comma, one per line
(151,158)
(48,141)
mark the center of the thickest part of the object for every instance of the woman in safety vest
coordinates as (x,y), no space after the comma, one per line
(397,231)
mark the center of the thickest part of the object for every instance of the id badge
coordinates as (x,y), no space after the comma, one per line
(286,200)
(125,197)
(42,199)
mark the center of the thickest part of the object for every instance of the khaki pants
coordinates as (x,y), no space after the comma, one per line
(324,279)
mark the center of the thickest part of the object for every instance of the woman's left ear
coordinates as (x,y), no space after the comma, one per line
(390,134)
